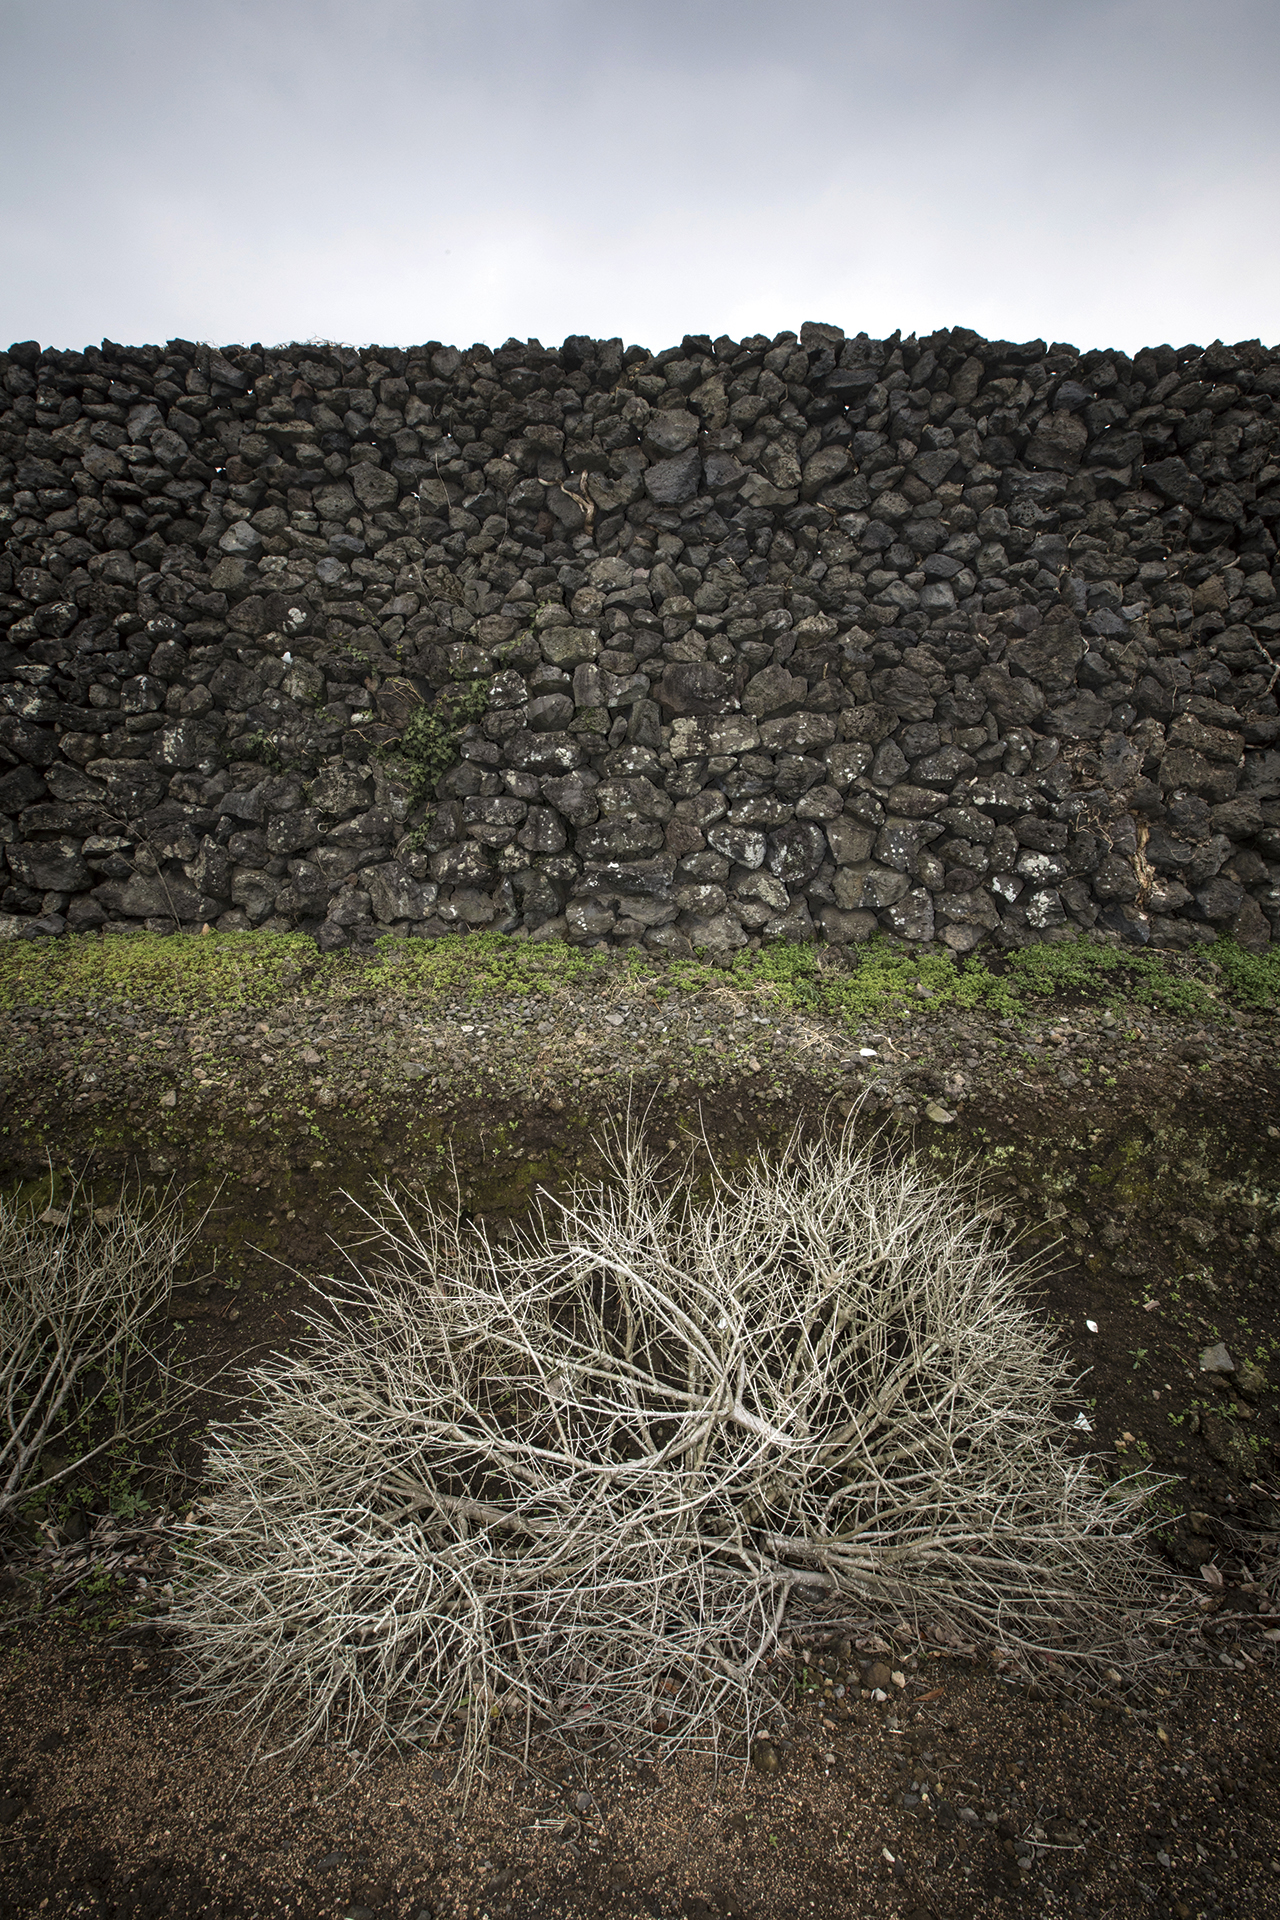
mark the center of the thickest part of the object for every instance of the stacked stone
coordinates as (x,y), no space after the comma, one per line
(784,638)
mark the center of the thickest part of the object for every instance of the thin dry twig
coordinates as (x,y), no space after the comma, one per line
(78,1285)
(576,1480)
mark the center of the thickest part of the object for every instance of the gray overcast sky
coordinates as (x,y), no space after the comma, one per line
(1099,171)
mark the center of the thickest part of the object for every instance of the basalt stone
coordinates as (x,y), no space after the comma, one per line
(974,908)
(761,810)
(634,798)
(683,837)
(723,473)
(1220,899)
(155,897)
(743,845)
(1058,442)
(467,864)
(1238,819)
(395,895)
(911,918)
(795,925)
(846,928)
(820,802)
(797,733)
(210,870)
(774,692)
(915,803)
(290,834)
(868,886)
(795,775)
(701,898)
(889,764)
(132,786)
(618,839)
(21,740)
(589,920)
(942,769)
(84,915)
(934,468)
(241,541)
(1120,762)
(574,796)
(846,761)
(1047,836)
(904,692)
(1044,909)
(795,853)
(366,833)
(670,432)
(568,647)
(375,489)
(848,840)
(673,481)
(543,753)
(351,910)
(868,724)
(728,734)
(191,744)
(1015,703)
(1250,928)
(493,819)
(548,713)
(23,786)
(1174,479)
(49,866)
(1083,717)
(305,896)
(1182,767)
(822,470)
(1001,795)
(713,933)
(648,878)
(898,842)
(763,887)
(543,831)
(706,864)
(248,617)
(694,687)
(1221,745)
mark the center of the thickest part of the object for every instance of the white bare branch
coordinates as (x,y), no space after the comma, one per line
(78,1285)
(576,1478)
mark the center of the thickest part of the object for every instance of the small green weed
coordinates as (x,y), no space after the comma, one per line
(257,746)
(429,743)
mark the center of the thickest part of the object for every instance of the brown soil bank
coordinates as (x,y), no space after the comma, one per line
(1120,1113)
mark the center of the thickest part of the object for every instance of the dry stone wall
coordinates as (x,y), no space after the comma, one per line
(798,638)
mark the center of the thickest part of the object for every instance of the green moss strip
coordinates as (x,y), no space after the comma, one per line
(186,974)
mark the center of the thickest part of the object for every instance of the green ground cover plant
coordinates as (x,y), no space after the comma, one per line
(882,980)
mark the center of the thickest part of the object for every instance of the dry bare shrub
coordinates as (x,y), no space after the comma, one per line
(577,1479)
(78,1285)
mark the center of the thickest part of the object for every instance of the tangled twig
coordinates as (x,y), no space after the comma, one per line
(576,1480)
(77,1288)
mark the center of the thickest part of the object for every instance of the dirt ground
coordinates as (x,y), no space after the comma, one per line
(1138,1156)
(959,1796)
